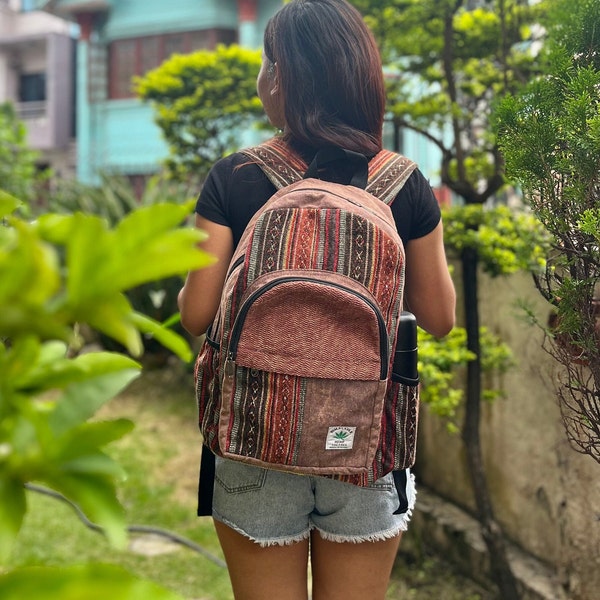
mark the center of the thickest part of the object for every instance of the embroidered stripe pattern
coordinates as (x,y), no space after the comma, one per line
(267,416)
(303,239)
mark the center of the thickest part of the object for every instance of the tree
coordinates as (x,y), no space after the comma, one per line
(449,61)
(550,136)
(56,273)
(18,171)
(203,102)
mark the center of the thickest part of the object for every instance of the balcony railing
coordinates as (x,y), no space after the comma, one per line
(31,110)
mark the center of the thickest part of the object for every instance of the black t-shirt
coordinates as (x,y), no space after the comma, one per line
(236,188)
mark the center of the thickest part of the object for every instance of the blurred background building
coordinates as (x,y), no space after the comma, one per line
(37,74)
(68,65)
(117,40)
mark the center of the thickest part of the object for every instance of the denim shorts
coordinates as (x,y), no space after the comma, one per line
(276,508)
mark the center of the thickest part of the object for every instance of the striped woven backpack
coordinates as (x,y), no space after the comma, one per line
(295,371)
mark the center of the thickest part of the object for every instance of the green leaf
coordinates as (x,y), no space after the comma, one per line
(167,337)
(12,511)
(86,582)
(18,168)
(88,250)
(30,278)
(89,437)
(8,204)
(54,370)
(97,464)
(55,228)
(82,399)
(151,249)
(19,359)
(111,315)
(149,222)
(96,497)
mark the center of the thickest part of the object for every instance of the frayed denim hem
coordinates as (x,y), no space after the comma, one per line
(360,539)
(403,520)
(265,543)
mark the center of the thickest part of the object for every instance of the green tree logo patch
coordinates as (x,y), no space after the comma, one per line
(340,438)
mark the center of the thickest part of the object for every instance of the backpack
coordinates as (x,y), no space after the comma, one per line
(295,370)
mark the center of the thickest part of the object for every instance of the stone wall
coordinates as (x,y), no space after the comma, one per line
(545,495)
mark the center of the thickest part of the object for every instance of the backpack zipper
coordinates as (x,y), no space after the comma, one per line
(209,337)
(236,330)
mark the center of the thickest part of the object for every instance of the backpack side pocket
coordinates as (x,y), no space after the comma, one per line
(208,390)
(398,440)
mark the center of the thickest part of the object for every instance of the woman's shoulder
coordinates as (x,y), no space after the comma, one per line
(415,208)
(231,161)
(416,188)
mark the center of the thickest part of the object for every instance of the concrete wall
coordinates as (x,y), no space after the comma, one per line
(545,495)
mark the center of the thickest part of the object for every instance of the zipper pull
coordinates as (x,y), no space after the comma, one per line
(229,366)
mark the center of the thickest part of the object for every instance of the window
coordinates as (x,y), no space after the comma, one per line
(32,87)
(150,53)
(137,56)
(27,5)
(175,43)
(123,65)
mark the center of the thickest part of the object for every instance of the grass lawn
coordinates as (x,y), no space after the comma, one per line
(161,458)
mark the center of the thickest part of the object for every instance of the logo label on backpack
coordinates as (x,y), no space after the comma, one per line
(340,438)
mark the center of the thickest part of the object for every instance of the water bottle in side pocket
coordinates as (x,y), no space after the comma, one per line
(404,369)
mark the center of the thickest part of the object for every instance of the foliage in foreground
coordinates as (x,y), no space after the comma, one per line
(113,199)
(94,582)
(56,273)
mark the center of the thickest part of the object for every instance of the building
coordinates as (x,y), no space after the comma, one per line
(117,40)
(68,66)
(37,71)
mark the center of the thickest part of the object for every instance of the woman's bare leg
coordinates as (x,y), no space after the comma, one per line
(347,571)
(257,573)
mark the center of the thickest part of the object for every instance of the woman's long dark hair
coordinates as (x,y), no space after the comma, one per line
(330,74)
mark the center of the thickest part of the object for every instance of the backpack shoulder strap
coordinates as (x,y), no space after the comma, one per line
(388,171)
(279,163)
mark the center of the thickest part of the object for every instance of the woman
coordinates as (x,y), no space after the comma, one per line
(321,83)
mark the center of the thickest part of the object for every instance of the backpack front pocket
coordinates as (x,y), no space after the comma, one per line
(305,378)
(311,328)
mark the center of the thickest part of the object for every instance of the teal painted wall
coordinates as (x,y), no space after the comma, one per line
(251,34)
(144,17)
(85,163)
(266,9)
(126,139)
(425,154)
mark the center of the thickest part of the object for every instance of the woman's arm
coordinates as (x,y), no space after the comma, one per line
(199,298)
(429,291)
